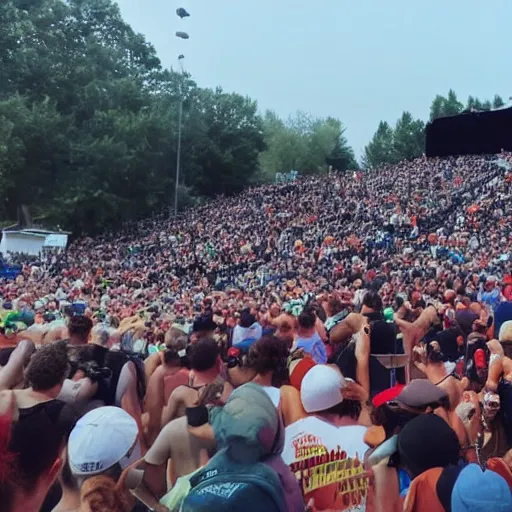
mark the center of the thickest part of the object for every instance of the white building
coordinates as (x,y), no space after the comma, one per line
(31,241)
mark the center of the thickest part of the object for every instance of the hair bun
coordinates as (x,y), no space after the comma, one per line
(101,495)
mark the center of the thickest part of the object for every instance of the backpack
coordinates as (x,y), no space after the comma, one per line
(224,485)
(114,360)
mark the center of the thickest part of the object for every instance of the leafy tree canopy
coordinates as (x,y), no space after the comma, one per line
(305,144)
(89,123)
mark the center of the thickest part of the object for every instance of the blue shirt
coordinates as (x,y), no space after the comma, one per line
(315,347)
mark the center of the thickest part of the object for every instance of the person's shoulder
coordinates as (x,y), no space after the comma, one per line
(158,374)
(309,425)
(180,392)
(176,428)
(358,431)
(7,401)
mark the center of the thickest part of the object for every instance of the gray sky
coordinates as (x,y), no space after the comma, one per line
(361,61)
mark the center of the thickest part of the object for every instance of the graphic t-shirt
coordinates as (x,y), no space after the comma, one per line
(328,462)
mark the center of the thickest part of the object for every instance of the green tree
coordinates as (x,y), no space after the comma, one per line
(452,105)
(445,106)
(35,147)
(380,150)
(498,102)
(341,157)
(473,103)
(227,145)
(405,141)
(89,120)
(437,107)
(89,123)
(409,137)
(486,105)
(304,144)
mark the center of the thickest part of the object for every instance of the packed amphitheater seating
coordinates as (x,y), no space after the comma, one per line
(339,342)
(277,233)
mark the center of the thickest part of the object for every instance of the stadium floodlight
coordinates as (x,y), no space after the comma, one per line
(178,149)
(182,35)
(182,13)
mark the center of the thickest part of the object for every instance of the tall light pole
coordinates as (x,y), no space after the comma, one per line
(178,150)
(182,13)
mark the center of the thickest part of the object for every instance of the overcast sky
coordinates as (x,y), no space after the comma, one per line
(361,61)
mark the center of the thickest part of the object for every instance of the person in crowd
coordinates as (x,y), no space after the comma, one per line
(250,438)
(79,329)
(490,294)
(477,491)
(335,312)
(175,453)
(494,438)
(426,446)
(429,359)
(247,331)
(11,371)
(398,405)
(286,329)
(327,265)
(500,378)
(45,376)
(206,365)
(503,312)
(69,499)
(28,465)
(308,339)
(100,447)
(328,439)
(266,365)
(203,327)
(170,375)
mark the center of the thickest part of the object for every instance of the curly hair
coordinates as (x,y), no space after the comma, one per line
(203,355)
(268,354)
(101,495)
(80,327)
(48,367)
(307,318)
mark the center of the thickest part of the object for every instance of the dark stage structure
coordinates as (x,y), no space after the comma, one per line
(470,133)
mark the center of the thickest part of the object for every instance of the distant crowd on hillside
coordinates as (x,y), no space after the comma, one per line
(339,342)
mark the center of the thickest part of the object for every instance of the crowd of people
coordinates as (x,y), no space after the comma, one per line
(335,343)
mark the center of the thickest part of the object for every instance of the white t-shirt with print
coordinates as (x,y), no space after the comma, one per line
(326,460)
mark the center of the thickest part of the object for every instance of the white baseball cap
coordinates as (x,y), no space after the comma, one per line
(321,388)
(102,438)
